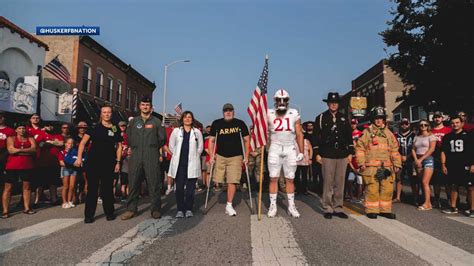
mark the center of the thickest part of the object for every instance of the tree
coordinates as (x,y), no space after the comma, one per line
(433,40)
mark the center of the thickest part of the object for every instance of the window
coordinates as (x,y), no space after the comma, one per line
(135,97)
(86,78)
(99,84)
(127,98)
(119,92)
(397,117)
(417,113)
(110,84)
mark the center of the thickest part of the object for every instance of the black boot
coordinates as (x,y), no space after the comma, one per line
(388,215)
(371,215)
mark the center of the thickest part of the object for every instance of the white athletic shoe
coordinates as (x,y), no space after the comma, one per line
(72,205)
(272,211)
(66,205)
(229,210)
(168,191)
(293,211)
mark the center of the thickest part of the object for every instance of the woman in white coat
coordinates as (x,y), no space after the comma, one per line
(186,144)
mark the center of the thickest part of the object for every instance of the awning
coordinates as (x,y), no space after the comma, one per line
(90,110)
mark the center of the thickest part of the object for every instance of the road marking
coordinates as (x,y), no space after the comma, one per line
(22,236)
(464,220)
(273,242)
(428,248)
(132,243)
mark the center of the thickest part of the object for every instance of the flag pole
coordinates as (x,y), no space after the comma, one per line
(262,152)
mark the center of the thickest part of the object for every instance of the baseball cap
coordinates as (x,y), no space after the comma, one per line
(122,123)
(354,121)
(227,106)
(405,121)
(438,113)
(146,99)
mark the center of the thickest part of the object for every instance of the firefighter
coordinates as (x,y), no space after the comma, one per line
(379,161)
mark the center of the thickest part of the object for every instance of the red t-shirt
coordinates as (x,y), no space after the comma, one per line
(49,154)
(20,162)
(440,133)
(4,134)
(355,137)
(61,155)
(39,135)
(169,130)
(468,127)
(206,145)
(124,145)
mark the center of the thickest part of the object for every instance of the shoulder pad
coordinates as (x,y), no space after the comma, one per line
(293,111)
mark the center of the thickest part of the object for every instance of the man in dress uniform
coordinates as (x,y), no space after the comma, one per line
(333,147)
(379,161)
(145,136)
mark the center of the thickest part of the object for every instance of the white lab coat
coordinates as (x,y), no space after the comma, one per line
(195,150)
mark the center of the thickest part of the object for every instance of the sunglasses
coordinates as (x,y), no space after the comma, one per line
(123,126)
(405,124)
(228,110)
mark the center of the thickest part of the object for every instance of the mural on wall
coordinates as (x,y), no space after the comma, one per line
(4,87)
(20,96)
(25,95)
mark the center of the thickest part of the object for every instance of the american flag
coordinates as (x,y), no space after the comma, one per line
(179,108)
(58,70)
(258,110)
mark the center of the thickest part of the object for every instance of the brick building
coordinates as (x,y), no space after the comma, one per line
(381,86)
(100,76)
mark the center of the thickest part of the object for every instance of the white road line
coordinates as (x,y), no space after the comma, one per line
(273,242)
(132,243)
(428,248)
(22,236)
(465,220)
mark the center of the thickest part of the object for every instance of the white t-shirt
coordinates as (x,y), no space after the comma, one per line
(421,144)
(283,128)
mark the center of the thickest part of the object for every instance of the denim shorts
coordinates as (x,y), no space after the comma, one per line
(428,162)
(68,171)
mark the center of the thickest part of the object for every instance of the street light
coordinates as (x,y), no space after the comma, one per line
(164,85)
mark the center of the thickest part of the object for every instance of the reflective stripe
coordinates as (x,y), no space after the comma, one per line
(374,204)
(376,163)
(385,203)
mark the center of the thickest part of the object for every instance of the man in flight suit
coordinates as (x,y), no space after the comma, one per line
(145,136)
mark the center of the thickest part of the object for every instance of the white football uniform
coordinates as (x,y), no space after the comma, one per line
(282,152)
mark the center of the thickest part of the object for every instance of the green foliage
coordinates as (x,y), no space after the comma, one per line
(433,40)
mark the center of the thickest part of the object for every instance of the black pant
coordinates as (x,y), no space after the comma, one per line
(301,178)
(100,175)
(182,180)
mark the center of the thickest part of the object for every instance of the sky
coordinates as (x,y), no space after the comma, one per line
(314,46)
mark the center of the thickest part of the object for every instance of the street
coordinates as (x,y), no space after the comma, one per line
(58,236)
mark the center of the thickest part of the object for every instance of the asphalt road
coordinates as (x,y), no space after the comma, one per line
(59,236)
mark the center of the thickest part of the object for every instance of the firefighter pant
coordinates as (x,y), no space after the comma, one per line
(378,198)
